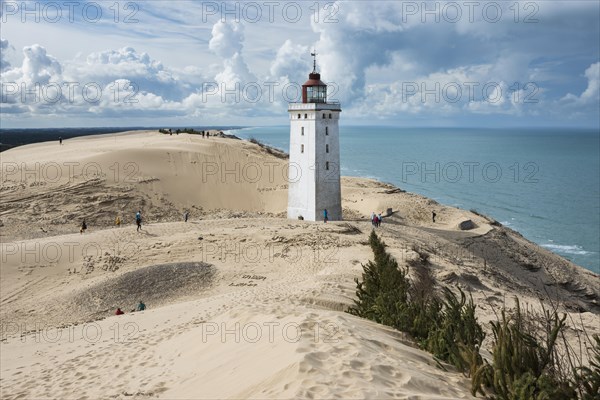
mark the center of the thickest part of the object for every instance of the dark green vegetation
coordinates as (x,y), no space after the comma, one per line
(183,130)
(526,364)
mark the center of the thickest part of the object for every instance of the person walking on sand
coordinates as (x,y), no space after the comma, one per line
(186,214)
(83,227)
(325,216)
(433,215)
(118,221)
(379,219)
(373,218)
(138,220)
(60,140)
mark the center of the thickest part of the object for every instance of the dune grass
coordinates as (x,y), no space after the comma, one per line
(526,362)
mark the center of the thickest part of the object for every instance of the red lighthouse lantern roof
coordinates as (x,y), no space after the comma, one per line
(314,79)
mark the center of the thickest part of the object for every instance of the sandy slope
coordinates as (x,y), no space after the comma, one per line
(241,302)
(100,177)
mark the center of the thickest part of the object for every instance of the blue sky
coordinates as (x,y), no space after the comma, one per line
(405,63)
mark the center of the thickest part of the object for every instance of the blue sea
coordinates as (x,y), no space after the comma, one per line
(543,183)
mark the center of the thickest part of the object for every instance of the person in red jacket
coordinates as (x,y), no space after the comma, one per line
(119,312)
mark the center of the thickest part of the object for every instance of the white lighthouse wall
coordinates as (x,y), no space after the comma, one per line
(328,192)
(301,190)
(313,188)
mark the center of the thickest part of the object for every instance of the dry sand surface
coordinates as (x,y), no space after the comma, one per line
(242,303)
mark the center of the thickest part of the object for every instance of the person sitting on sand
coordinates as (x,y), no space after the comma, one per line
(119,311)
(138,220)
(118,221)
(141,306)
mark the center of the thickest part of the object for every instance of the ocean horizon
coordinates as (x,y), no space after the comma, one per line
(522,177)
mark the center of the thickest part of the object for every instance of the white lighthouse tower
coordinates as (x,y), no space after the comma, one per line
(314,166)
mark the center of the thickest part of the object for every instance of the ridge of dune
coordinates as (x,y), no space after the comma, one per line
(242,303)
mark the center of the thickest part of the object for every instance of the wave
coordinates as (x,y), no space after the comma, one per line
(567,249)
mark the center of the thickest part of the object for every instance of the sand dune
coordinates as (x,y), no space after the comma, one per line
(242,303)
(100,177)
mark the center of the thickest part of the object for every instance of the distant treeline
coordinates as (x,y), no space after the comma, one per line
(10,138)
(190,131)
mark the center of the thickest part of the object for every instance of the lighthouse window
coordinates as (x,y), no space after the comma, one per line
(301,148)
(327,165)
(326,148)
(323,116)
(305,116)
(316,94)
(299,116)
(326,130)
(302,131)
(329,116)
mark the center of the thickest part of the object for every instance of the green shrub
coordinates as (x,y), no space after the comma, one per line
(383,291)
(457,336)
(446,327)
(523,363)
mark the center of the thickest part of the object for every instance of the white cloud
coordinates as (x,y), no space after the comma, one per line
(291,62)
(112,82)
(593,75)
(227,39)
(4,46)
(235,70)
(370,53)
(467,88)
(363,36)
(40,67)
(591,95)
